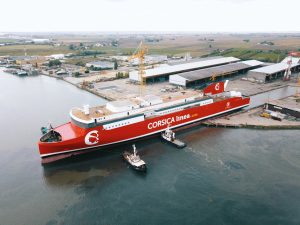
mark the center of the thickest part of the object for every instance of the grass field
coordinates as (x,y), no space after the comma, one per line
(32,49)
(246,54)
(244,46)
(8,40)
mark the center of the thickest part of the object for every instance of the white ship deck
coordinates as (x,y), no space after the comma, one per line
(134,106)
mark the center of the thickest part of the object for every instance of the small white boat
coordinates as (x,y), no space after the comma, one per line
(21,73)
(134,160)
(169,136)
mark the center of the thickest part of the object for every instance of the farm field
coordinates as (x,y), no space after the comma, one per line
(265,47)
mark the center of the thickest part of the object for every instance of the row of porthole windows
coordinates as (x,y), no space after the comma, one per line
(176,109)
(118,125)
(205,103)
(171,110)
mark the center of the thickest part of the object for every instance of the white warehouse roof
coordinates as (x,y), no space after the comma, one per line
(294,60)
(197,75)
(275,68)
(253,62)
(183,67)
(100,64)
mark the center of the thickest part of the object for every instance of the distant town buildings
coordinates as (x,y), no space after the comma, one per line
(33,60)
(41,41)
(152,59)
(56,56)
(100,65)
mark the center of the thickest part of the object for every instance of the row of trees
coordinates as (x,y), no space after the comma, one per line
(54,62)
(121,75)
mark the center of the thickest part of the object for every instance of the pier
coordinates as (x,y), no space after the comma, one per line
(252,118)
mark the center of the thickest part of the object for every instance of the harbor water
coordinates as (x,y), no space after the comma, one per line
(223,176)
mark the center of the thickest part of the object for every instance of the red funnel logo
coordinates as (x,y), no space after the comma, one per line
(215,88)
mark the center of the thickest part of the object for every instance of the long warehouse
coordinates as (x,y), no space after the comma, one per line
(274,71)
(201,77)
(163,73)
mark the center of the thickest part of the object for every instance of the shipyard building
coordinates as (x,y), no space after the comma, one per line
(272,72)
(203,76)
(163,73)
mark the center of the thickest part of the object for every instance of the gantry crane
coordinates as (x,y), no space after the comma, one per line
(139,54)
(297,55)
(288,73)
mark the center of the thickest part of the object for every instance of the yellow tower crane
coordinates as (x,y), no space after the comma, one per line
(213,77)
(139,54)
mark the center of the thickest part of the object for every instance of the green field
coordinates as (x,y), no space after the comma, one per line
(7,40)
(244,46)
(246,54)
(32,49)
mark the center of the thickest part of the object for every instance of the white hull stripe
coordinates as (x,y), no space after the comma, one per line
(148,134)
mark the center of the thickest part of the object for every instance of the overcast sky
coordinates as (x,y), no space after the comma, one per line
(150,15)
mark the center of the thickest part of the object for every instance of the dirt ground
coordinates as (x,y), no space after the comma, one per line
(91,78)
(251,88)
(123,89)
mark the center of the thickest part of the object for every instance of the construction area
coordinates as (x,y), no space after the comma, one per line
(142,82)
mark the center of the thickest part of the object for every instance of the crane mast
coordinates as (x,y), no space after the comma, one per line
(139,54)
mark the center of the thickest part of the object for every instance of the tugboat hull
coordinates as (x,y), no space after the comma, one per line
(141,168)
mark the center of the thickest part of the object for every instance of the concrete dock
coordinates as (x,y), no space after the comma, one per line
(119,89)
(252,119)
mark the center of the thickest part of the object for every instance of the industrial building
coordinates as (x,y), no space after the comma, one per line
(151,59)
(201,77)
(188,59)
(163,73)
(100,65)
(272,72)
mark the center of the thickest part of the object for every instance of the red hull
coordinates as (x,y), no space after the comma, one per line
(75,138)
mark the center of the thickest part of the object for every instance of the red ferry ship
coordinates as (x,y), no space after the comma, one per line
(122,121)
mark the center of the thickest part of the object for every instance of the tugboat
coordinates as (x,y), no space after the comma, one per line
(134,160)
(169,136)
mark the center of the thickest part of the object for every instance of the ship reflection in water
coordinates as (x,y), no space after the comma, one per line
(223,176)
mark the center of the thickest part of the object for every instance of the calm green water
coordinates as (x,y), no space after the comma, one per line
(224,176)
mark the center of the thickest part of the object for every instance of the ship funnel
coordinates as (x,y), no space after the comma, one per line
(214,88)
(86,110)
